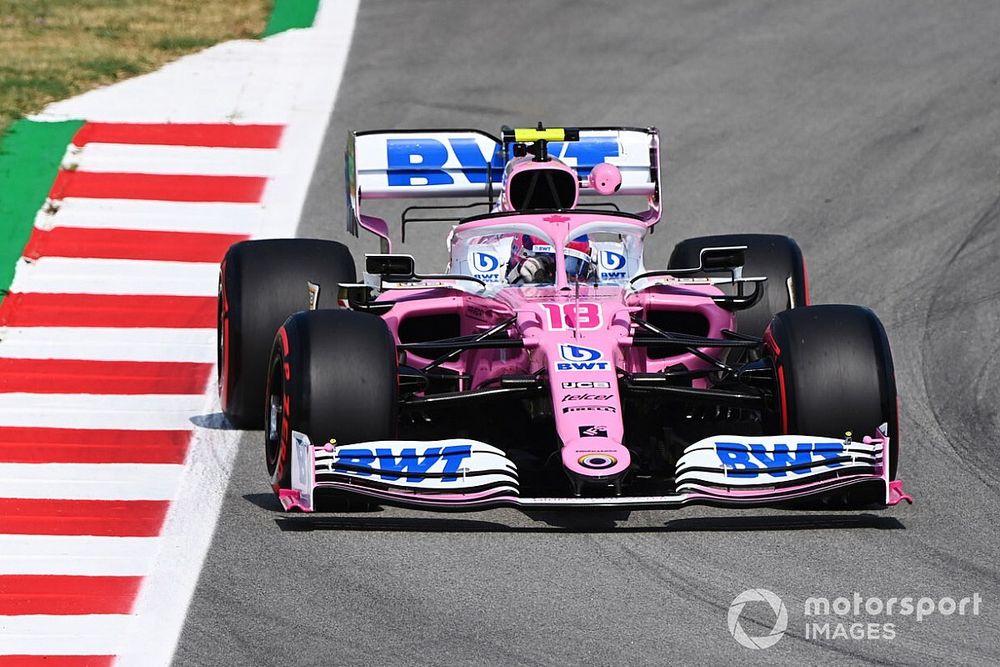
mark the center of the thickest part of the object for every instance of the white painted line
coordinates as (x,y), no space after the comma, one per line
(109,344)
(69,275)
(187,532)
(214,218)
(89,411)
(91,634)
(89,481)
(190,160)
(79,555)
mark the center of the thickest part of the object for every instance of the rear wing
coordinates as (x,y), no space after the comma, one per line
(416,164)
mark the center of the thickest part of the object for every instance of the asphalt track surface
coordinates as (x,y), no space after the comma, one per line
(870,132)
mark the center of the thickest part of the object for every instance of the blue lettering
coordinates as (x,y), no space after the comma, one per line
(781,458)
(582,366)
(453,457)
(422,159)
(362,458)
(409,463)
(829,451)
(474,162)
(736,457)
(588,153)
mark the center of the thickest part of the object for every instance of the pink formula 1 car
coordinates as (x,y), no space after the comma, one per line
(548,365)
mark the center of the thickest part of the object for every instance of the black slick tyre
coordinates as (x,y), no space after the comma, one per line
(332,375)
(261,283)
(834,374)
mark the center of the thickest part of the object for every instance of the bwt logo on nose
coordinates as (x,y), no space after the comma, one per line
(421,161)
(753,459)
(579,358)
(485,262)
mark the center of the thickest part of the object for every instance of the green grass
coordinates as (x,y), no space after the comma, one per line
(54,49)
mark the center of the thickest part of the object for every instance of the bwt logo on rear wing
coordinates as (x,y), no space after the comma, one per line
(435,163)
(407,164)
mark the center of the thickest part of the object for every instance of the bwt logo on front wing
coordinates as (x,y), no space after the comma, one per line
(752,460)
(407,463)
(579,358)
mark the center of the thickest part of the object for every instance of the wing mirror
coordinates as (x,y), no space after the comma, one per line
(391,266)
(723,259)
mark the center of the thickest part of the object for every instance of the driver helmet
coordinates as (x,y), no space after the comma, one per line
(533,260)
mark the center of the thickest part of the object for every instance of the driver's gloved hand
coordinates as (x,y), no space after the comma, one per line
(536,269)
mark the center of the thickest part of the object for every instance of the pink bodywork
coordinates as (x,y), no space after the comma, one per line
(551,317)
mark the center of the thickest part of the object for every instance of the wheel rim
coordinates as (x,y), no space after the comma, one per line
(273,415)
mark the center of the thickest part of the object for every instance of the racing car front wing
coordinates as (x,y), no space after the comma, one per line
(724,470)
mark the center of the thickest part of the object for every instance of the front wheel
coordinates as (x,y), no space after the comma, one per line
(835,374)
(332,376)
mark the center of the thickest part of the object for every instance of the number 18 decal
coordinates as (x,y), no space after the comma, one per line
(573,315)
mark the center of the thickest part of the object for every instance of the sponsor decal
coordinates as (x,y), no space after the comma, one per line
(580,358)
(612,261)
(612,265)
(409,463)
(485,266)
(586,385)
(484,261)
(597,461)
(751,460)
(589,408)
(415,161)
(587,397)
(593,431)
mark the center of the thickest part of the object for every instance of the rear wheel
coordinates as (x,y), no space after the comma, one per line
(260,284)
(835,373)
(332,375)
(772,255)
